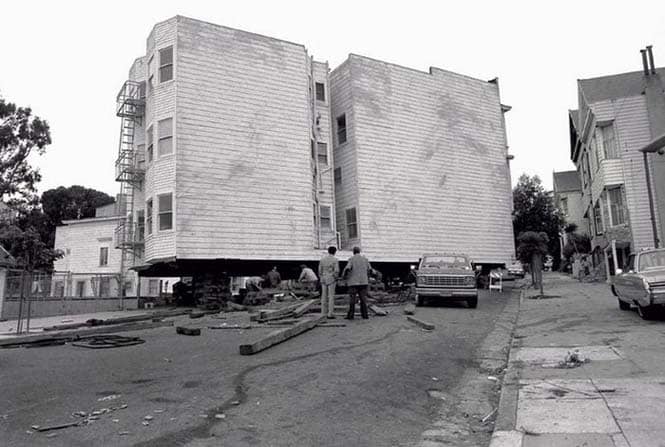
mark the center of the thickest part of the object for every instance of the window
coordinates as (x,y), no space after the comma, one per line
(151,73)
(322,151)
(59,289)
(617,209)
(351,223)
(165,64)
(148,140)
(104,287)
(313,149)
(148,216)
(585,168)
(598,219)
(165,136)
(563,202)
(341,129)
(338,176)
(326,218)
(80,288)
(140,156)
(153,287)
(103,256)
(610,149)
(320,91)
(140,225)
(165,210)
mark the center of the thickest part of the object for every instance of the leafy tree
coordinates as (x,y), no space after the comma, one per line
(531,247)
(73,202)
(21,133)
(534,210)
(27,247)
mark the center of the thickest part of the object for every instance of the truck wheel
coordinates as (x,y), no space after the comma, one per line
(645,312)
(472,302)
(624,305)
(420,301)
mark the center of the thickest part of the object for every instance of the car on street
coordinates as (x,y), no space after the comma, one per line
(642,283)
(447,277)
(516,269)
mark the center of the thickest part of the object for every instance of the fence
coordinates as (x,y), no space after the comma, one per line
(41,294)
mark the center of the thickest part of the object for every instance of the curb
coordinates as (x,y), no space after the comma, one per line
(505,434)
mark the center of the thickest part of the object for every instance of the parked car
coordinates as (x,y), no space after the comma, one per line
(642,283)
(516,269)
(446,276)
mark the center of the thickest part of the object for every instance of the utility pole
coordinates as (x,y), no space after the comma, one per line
(656,146)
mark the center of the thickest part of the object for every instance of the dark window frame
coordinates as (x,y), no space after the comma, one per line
(326,220)
(148,216)
(320,88)
(322,153)
(341,124)
(163,224)
(161,138)
(103,256)
(166,69)
(337,175)
(351,224)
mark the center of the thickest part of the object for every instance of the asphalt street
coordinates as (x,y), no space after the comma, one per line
(376,382)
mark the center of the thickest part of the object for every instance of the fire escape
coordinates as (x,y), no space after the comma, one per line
(130,172)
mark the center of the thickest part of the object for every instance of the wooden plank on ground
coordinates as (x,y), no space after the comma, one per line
(304,307)
(187,330)
(280,335)
(234,306)
(421,323)
(232,326)
(410,309)
(378,311)
(277,314)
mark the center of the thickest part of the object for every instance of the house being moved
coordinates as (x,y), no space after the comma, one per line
(240,151)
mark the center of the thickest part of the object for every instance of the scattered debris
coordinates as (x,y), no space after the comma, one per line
(573,360)
(109,397)
(55,427)
(235,402)
(148,418)
(187,331)
(196,315)
(421,323)
(606,390)
(123,433)
(436,379)
(220,416)
(231,326)
(233,306)
(492,378)
(158,411)
(410,309)
(146,423)
(108,341)
(489,415)
(328,324)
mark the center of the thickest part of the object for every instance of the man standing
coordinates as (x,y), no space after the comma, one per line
(357,274)
(308,277)
(328,272)
(274,278)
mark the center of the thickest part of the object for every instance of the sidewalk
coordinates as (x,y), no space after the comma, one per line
(614,398)
(8,328)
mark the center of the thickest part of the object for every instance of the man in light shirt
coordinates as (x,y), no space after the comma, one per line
(328,272)
(308,277)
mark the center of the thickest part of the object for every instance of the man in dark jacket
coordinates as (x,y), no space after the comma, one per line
(356,273)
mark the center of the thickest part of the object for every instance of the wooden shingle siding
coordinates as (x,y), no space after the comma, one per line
(82,239)
(244,180)
(431,163)
(160,174)
(344,155)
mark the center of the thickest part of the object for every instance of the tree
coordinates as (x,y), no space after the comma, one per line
(27,247)
(531,247)
(73,202)
(534,210)
(21,133)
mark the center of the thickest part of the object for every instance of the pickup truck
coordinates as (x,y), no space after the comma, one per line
(448,277)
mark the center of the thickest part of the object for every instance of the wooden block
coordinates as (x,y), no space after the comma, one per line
(283,322)
(421,323)
(187,331)
(232,326)
(410,309)
(378,311)
(331,325)
(234,306)
(304,307)
(196,315)
(280,335)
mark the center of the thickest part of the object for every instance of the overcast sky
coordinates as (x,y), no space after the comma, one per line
(67,60)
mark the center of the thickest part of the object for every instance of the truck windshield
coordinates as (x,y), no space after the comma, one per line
(652,260)
(446,261)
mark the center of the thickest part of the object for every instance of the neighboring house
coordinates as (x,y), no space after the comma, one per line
(568,199)
(618,115)
(228,161)
(7,262)
(92,263)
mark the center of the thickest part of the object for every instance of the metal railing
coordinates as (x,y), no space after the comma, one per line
(130,101)
(129,234)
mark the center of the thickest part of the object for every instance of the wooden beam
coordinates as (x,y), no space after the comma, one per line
(268,314)
(378,311)
(303,308)
(280,335)
(421,323)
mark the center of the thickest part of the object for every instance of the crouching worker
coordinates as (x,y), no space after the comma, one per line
(308,278)
(328,272)
(357,272)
